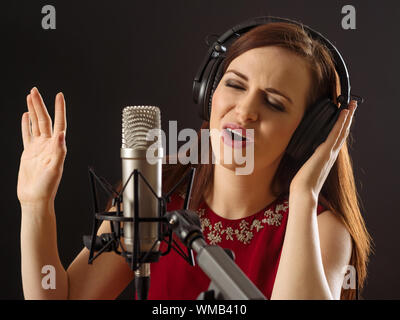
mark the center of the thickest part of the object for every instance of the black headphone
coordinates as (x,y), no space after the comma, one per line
(317,121)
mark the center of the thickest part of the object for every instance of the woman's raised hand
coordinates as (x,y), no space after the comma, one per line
(314,172)
(42,160)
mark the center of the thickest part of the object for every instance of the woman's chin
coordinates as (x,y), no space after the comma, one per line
(230,166)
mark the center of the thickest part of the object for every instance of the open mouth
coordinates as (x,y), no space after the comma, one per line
(234,138)
(236,135)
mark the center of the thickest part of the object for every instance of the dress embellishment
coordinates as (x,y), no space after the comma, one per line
(245,231)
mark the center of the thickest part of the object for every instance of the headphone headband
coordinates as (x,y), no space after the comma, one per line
(218,49)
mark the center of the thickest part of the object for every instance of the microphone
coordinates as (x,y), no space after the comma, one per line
(138,152)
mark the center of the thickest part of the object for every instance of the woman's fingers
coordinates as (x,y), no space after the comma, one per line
(60,121)
(346,126)
(41,123)
(44,120)
(26,134)
(32,116)
(334,134)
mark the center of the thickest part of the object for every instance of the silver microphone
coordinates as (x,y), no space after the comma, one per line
(139,151)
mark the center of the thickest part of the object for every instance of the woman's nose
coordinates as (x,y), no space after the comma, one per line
(246,109)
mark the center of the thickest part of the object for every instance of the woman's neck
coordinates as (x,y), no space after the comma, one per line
(234,196)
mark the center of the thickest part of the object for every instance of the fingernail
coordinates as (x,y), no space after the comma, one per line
(33,89)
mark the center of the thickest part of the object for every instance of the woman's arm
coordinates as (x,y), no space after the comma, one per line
(39,175)
(104,279)
(39,249)
(315,251)
(314,255)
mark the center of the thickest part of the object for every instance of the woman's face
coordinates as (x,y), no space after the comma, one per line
(264,89)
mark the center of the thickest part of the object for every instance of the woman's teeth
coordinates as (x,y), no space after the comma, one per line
(236,135)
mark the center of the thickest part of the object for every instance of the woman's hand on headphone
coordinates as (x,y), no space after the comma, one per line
(312,175)
(42,160)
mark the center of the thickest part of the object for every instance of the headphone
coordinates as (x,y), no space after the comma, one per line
(318,120)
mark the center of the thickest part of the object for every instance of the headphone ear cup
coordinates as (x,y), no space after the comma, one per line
(212,81)
(313,130)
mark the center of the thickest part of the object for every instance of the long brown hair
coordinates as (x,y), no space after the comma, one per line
(339,193)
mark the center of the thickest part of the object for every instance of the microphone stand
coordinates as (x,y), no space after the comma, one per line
(112,241)
(228,282)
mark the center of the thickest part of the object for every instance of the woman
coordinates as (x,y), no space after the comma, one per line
(301,255)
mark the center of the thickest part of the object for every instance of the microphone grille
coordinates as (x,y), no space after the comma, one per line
(137,121)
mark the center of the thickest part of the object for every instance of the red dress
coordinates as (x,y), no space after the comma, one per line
(256,241)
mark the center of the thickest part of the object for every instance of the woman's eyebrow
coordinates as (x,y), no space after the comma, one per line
(270,90)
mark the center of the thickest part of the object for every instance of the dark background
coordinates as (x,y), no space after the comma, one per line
(106,55)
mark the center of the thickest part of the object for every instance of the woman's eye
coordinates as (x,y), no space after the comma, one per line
(229,84)
(273,105)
